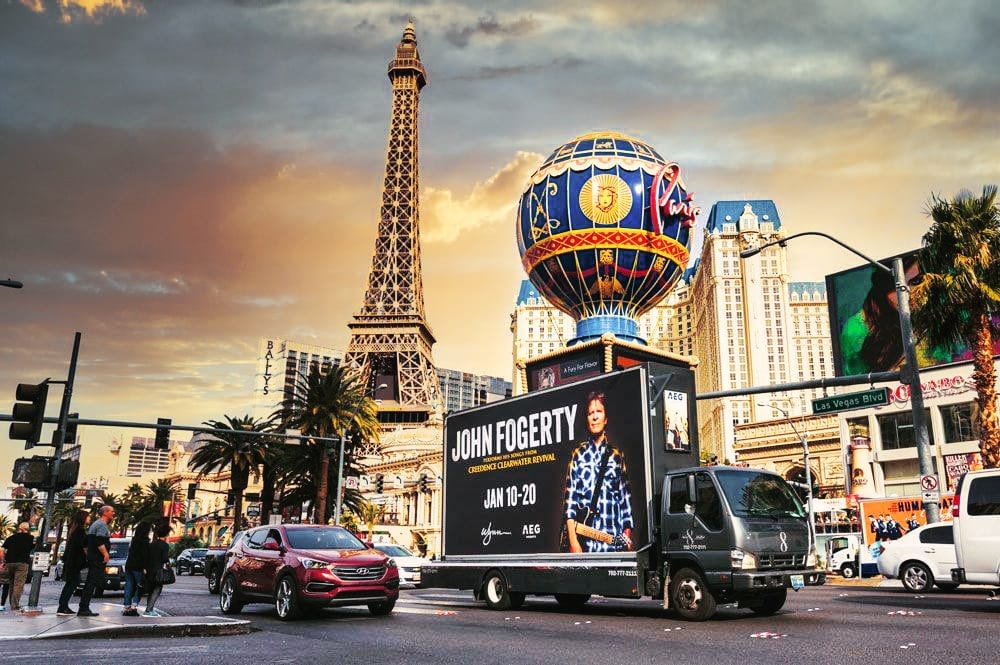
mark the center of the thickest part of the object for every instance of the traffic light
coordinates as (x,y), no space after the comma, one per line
(230,497)
(379,483)
(423,483)
(252,497)
(29,413)
(162,434)
(192,490)
(32,472)
(69,438)
(69,472)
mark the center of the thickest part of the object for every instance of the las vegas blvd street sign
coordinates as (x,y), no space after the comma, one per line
(851,401)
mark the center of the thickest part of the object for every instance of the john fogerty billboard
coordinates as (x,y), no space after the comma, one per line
(864,322)
(520,475)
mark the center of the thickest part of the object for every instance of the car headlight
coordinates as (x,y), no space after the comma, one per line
(111,570)
(390,563)
(312,563)
(742,560)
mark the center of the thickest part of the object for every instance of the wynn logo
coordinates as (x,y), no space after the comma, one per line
(488,532)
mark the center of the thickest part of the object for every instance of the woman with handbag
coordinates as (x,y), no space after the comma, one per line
(74,559)
(138,552)
(158,571)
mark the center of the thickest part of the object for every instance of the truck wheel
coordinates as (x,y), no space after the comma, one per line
(516,599)
(690,596)
(572,601)
(496,593)
(230,601)
(770,603)
(847,571)
(916,577)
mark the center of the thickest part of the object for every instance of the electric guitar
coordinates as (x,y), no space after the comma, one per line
(619,541)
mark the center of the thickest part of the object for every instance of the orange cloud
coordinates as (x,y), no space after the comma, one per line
(95,10)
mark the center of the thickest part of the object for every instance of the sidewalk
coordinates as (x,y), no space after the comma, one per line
(111,623)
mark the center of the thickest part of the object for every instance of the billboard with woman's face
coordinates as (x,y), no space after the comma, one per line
(864,322)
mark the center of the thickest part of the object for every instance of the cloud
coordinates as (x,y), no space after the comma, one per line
(93,10)
(490,26)
(491,202)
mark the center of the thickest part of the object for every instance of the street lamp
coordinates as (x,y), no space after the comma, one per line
(804,438)
(340,461)
(911,373)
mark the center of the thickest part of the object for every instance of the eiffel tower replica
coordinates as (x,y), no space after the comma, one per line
(390,340)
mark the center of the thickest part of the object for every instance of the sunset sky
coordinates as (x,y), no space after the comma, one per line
(182,177)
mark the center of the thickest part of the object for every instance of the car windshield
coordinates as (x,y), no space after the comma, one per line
(757,494)
(393,550)
(118,550)
(323,539)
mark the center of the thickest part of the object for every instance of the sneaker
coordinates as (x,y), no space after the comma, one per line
(87,613)
(150,613)
(2,608)
(64,612)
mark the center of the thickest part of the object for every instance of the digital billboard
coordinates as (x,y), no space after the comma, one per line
(864,322)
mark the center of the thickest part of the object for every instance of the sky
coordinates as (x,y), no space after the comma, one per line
(179,178)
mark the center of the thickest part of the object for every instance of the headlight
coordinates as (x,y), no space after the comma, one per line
(811,560)
(111,570)
(390,563)
(742,560)
(312,563)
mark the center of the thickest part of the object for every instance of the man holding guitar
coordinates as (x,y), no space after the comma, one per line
(598,495)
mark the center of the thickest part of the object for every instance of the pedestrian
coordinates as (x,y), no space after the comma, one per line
(17,557)
(74,559)
(98,544)
(135,563)
(157,560)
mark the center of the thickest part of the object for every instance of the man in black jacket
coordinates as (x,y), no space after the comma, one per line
(17,556)
(98,544)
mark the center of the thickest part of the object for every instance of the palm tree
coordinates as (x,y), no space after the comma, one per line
(63,510)
(130,506)
(326,404)
(958,300)
(157,493)
(239,453)
(6,526)
(371,514)
(26,503)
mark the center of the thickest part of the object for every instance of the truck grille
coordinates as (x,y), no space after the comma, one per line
(355,573)
(780,561)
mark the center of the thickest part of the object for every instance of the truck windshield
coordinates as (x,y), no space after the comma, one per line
(756,494)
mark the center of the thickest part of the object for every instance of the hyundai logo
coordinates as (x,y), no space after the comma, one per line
(362,571)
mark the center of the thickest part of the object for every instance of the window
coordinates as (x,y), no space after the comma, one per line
(256,539)
(939,535)
(960,422)
(897,430)
(984,496)
(708,508)
(678,494)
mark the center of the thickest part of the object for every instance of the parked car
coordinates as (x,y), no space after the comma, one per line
(922,558)
(407,562)
(114,571)
(57,569)
(192,560)
(299,567)
(976,516)
(215,561)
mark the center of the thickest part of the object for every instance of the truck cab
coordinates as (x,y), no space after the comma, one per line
(976,525)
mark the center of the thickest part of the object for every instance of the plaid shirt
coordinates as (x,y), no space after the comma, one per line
(613,513)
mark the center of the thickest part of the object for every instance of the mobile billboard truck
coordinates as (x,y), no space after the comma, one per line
(521,515)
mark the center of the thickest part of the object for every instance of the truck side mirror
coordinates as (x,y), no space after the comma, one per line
(689,508)
(692,489)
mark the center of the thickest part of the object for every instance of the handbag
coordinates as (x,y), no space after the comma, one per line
(164,576)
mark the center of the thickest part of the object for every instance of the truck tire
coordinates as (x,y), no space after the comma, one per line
(915,576)
(496,593)
(770,603)
(847,571)
(572,601)
(690,596)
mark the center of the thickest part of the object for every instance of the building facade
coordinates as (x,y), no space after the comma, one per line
(464,390)
(280,364)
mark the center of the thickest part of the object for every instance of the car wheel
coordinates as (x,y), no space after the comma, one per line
(230,600)
(572,601)
(383,608)
(213,582)
(690,596)
(770,603)
(847,571)
(916,576)
(946,587)
(286,599)
(496,593)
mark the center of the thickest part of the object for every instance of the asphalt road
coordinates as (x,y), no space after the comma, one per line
(832,624)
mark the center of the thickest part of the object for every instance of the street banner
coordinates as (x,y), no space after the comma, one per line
(957,465)
(904,512)
(514,469)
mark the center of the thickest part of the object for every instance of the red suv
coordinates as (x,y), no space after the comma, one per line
(302,566)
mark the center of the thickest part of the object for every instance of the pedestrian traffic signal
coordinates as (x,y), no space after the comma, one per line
(33,472)
(192,490)
(379,483)
(29,413)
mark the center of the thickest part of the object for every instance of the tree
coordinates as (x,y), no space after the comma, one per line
(131,506)
(6,526)
(238,453)
(26,503)
(63,510)
(371,514)
(958,299)
(326,404)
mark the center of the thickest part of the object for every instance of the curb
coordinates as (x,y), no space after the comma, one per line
(187,629)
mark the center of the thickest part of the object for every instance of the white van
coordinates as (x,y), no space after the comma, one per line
(976,516)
